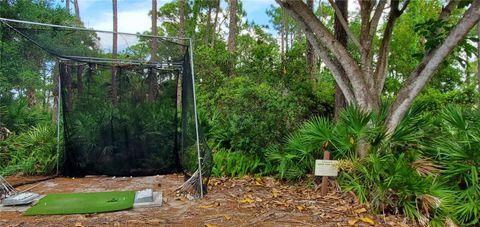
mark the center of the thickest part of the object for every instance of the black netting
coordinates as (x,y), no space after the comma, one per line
(127,114)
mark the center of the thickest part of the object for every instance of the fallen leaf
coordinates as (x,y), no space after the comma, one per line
(300,208)
(78,224)
(205,206)
(368,220)
(208,225)
(352,222)
(227,217)
(361,210)
(258,181)
(275,194)
(247,200)
(280,203)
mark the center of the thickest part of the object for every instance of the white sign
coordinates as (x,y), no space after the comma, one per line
(326,168)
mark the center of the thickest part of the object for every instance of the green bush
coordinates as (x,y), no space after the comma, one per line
(245,116)
(457,150)
(33,152)
(228,163)
(428,169)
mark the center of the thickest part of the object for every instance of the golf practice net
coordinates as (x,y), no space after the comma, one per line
(129,112)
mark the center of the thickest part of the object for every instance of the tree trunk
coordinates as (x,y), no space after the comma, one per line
(68,88)
(31,97)
(478,57)
(341,36)
(55,76)
(215,23)
(114,54)
(67,6)
(80,79)
(181,35)
(208,25)
(77,10)
(282,36)
(311,58)
(285,28)
(196,11)
(232,34)
(427,67)
(181,12)
(152,77)
(355,79)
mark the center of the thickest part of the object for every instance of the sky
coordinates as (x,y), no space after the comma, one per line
(133,14)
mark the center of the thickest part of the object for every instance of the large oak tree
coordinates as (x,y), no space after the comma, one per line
(363,80)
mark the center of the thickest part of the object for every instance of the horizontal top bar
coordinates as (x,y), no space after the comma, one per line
(92,30)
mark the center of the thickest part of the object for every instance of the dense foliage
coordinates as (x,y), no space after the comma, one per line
(271,117)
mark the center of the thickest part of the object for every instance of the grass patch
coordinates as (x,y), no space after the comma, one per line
(83,203)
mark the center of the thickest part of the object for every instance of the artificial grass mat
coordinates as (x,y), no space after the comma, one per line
(83,203)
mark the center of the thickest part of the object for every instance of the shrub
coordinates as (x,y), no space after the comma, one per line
(428,169)
(245,116)
(33,152)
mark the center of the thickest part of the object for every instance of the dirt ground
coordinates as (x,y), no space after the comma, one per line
(244,201)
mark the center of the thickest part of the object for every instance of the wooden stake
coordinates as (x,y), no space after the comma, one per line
(326,156)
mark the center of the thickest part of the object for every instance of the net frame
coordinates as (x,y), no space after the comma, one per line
(195,181)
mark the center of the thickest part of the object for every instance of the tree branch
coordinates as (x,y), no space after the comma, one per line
(427,67)
(333,65)
(344,24)
(303,14)
(448,9)
(382,63)
(376,17)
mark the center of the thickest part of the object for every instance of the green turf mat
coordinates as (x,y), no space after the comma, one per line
(83,203)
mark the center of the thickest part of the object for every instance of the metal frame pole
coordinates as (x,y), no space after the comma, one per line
(196,120)
(58,120)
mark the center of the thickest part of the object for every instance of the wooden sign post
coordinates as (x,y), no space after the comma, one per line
(325,168)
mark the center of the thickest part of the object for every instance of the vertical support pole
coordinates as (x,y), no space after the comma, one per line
(58,120)
(196,121)
(326,156)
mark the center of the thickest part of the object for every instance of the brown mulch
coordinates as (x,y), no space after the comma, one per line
(247,201)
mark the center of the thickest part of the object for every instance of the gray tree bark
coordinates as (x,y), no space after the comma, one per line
(363,80)
(114,53)
(77,10)
(478,57)
(232,33)
(341,36)
(215,23)
(67,6)
(311,57)
(152,77)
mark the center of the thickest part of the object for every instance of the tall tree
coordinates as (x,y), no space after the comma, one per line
(341,36)
(181,12)
(152,77)
(478,57)
(79,67)
(114,53)
(209,23)
(363,81)
(215,23)
(232,32)
(67,6)
(181,35)
(311,58)
(77,10)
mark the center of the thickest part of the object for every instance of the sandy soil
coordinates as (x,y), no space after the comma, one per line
(244,201)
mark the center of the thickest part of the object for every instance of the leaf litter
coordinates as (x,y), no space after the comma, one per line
(244,201)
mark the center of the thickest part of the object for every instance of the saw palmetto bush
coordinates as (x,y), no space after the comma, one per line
(33,152)
(427,169)
(457,150)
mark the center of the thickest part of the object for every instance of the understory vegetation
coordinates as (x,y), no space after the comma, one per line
(266,109)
